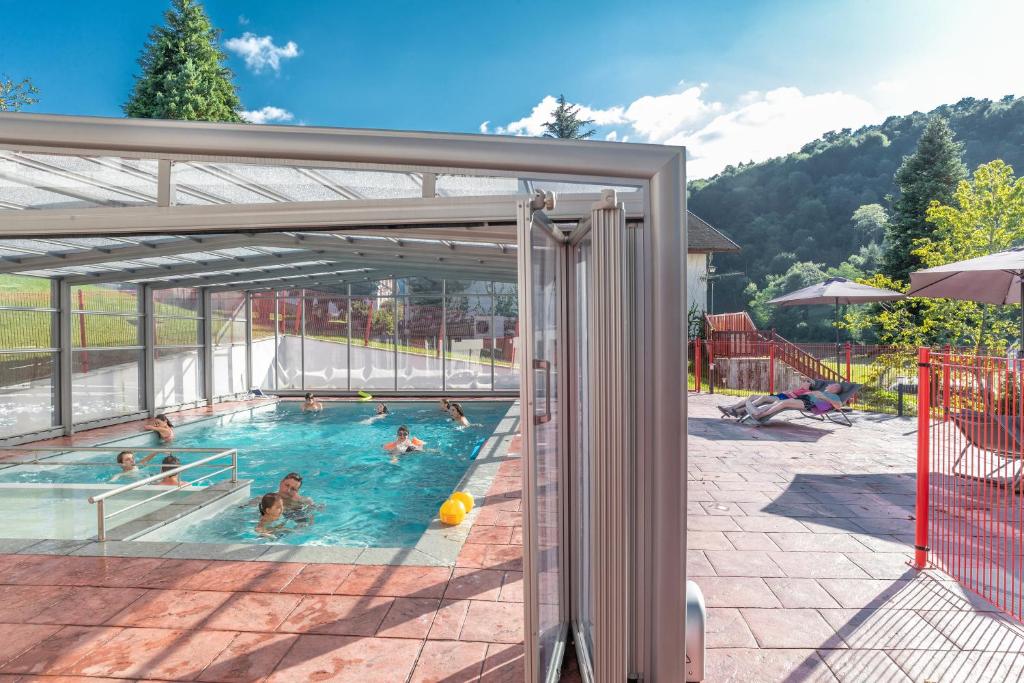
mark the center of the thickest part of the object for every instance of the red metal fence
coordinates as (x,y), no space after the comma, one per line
(970,450)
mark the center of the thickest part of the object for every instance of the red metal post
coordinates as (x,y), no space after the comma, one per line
(711,364)
(945,383)
(849,352)
(923,468)
(771,367)
(81,330)
(697,363)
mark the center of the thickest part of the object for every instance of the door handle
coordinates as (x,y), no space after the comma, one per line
(540,364)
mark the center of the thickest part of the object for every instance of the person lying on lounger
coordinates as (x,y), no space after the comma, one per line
(814,402)
(739,409)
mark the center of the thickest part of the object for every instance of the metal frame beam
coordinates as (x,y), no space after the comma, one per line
(208,346)
(212,266)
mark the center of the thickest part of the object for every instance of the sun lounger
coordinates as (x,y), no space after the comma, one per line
(847,390)
(995,444)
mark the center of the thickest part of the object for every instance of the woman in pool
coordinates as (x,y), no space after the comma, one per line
(403,443)
(162,426)
(129,468)
(458,415)
(169,463)
(271,508)
(312,405)
(445,403)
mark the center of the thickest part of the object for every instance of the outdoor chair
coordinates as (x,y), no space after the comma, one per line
(995,438)
(847,390)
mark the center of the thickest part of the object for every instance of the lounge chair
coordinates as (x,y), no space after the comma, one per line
(997,444)
(847,390)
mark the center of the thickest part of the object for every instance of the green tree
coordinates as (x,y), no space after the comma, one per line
(567,123)
(16,94)
(985,215)
(928,175)
(869,220)
(183,73)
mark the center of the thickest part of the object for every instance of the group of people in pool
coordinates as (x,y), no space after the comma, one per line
(285,503)
(130,468)
(405,442)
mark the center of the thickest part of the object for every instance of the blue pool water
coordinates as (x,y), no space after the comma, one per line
(362,499)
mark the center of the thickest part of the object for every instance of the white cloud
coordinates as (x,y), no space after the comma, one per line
(267,115)
(483,127)
(260,52)
(243,20)
(758,126)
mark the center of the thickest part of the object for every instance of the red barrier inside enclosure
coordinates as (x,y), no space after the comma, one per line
(970,451)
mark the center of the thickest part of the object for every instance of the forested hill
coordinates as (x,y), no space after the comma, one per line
(799,207)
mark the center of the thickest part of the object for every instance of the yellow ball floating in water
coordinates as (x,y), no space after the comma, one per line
(452,512)
(465,498)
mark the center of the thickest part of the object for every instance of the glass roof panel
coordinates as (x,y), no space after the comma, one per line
(475,186)
(53,181)
(374,184)
(213,186)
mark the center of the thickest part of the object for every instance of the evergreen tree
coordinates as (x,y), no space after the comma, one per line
(930,174)
(183,73)
(567,123)
(16,94)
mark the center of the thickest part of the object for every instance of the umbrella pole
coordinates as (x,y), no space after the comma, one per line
(836,324)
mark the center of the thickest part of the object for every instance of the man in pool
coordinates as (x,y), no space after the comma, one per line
(311,404)
(129,468)
(288,489)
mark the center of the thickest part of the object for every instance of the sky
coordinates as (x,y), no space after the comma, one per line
(733,81)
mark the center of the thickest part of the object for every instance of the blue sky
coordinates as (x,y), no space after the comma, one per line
(732,80)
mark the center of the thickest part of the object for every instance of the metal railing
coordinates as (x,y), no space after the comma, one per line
(100,499)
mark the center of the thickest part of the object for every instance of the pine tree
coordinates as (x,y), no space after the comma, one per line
(16,94)
(931,173)
(567,123)
(183,73)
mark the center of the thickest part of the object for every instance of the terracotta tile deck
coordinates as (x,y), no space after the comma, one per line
(90,619)
(800,535)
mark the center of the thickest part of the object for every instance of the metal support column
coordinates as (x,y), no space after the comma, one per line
(208,345)
(444,335)
(494,336)
(394,324)
(64,357)
(348,315)
(149,354)
(277,338)
(248,342)
(301,311)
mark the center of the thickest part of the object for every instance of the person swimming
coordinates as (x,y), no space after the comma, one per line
(458,415)
(271,507)
(444,405)
(403,443)
(129,468)
(311,404)
(162,426)
(169,463)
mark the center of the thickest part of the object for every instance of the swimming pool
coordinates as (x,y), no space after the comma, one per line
(362,499)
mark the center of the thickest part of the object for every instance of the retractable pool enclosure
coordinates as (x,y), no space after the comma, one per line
(146,265)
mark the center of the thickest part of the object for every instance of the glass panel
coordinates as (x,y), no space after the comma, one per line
(24,290)
(178,332)
(373,346)
(229,370)
(28,392)
(105,330)
(105,383)
(106,298)
(419,285)
(582,523)
(506,342)
(289,343)
(326,361)
(468,342)
(229,331)
(475,186)
(419,342)
(27,330)
(546,301)
(183,301)
(228,304)
(177,376)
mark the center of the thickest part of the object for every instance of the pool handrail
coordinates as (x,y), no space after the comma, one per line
(100,499)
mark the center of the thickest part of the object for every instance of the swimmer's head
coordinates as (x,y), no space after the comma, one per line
(271,505)
(290,485)
(403,432)
(126,459)
(455,410)
(169,463)
(309,396)
(444,404)
(163,418)
(382,409)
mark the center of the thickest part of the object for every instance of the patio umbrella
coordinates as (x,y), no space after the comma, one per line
(992,279)
(836,291)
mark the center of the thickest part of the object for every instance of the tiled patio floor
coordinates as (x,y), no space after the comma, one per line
(799,536)
(67,618)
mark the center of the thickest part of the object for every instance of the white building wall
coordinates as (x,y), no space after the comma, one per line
(696,285)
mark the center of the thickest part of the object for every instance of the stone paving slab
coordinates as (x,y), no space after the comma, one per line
(800,536)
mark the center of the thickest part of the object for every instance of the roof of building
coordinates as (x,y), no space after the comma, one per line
(705,239)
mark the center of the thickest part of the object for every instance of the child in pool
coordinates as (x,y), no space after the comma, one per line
(403,443)
(171,462)
(311,404)
(271,508)
(162,426)
(129,468)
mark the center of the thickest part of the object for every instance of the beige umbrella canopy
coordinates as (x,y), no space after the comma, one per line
(994,279)
(836,291)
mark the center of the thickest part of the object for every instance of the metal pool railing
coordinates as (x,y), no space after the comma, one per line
(100,499)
